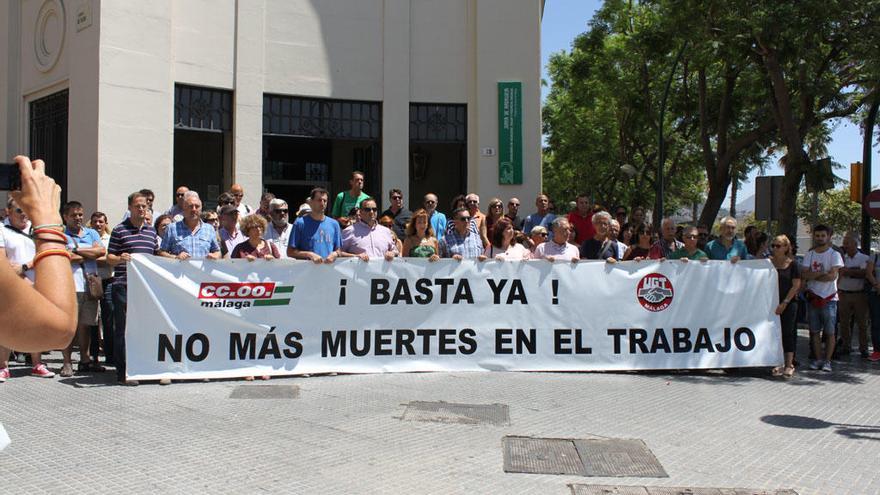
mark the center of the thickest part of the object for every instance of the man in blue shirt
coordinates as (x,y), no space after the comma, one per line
(543,217)
(190,237)
(315,236)
(85,247)
(437,219)
(727,246)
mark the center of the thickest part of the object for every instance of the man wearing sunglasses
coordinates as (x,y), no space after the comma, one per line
(461,242)
(437,219)
(513,214)
(398,212)
(176,211)
(367,239)
(278,230)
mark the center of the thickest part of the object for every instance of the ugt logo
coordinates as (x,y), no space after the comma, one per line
(655,292)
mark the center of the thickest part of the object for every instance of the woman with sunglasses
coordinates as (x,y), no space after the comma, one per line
(789,285)
(493,214)
(643,235)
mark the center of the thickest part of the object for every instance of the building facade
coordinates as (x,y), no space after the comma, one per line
(277,95)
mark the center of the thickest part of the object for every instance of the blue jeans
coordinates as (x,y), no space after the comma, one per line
(823,319)
(120,306)
(874,308)
(107,323)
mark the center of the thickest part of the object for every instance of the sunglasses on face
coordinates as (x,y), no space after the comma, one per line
(397,197)
(369,209)
(776,246)
(224,203)
(179,195)
(430,202)
(543,234)
(512,204)
(463,219)
(690,237)
(471,202)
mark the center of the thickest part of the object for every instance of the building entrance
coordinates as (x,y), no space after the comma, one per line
(48,136)
(202,141)
(438,152)
(311,142)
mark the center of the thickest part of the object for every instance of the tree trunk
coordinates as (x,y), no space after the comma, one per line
(714,199)
(791,184)
(733,189)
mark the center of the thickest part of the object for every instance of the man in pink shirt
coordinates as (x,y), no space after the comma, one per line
(558,246)
(366,238)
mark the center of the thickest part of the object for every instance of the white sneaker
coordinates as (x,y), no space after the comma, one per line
(827,366)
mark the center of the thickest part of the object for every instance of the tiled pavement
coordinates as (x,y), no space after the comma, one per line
(817,434)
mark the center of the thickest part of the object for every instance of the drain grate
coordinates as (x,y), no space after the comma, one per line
(265,392)
(464,414)
(541,456)
(579,489)
(599,458)
(618,457)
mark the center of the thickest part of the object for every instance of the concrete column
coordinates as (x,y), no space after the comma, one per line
(85,169)
(248,98)
(396,88)
(10,81)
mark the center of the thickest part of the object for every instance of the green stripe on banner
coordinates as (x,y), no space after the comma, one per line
(284,288)
(272,302)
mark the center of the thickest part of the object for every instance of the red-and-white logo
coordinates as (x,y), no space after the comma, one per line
(655,292)
(221,290)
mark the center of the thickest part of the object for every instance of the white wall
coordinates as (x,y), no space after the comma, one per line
(439,69)
(203,42)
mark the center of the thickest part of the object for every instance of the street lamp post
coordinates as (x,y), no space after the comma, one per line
(661,142)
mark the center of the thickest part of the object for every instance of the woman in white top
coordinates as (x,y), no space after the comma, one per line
(502,246)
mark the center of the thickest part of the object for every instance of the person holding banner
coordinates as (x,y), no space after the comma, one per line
(190,238)
(462,242)
(255,246)
(689,251)
(503,246)
(316,237)
(420,240)
(558,246)
(644,235)
(367,239)
(789,286)
(601,246)
(667,244)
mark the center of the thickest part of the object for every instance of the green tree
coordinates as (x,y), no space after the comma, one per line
(835,210)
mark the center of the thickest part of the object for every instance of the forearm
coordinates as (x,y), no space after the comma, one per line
(91,253)
(53,292)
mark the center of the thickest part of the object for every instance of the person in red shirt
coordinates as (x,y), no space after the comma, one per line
(582,219)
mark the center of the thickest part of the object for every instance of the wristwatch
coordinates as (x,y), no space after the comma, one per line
(24,268)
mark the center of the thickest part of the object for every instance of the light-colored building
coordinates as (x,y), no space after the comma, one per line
(277,95)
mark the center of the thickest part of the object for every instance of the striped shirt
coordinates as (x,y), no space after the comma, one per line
(126,238)
(468,246)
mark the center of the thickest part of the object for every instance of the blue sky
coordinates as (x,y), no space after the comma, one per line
(565,19)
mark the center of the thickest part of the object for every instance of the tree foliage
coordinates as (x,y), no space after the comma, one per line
(836,210)
(756,79)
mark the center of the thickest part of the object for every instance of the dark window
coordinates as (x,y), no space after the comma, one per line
(48,136)
(202,108)
(321,118)
(437,123)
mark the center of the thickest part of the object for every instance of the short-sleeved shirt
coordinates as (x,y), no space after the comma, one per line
(230,240)
(320,237)
(400,220)
(822,262)
(438,223)
(682,253)
(468,246)
(517,222)
(199,244)
(126,238)
(345,202)
(375,241)
(718,251)
(583,226)
(280,239)
(536,219)
(787,277)
(19,247)
(593,249)
(565,251)
(850,284)
(515,251)
(85,238)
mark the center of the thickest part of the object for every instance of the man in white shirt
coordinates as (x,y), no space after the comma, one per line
(853,303)
(278,230)
(820,270)
(558,245)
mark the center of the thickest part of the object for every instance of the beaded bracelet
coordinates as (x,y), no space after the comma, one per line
(48,225)
(49,252)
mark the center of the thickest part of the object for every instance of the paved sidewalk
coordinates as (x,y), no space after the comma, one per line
(817,434)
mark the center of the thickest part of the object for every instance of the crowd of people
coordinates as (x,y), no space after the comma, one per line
(834,283)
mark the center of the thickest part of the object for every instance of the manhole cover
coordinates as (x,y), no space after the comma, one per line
(577,489)
(618,457)
(541,456)
(580,489)
(465,414)
(265,392)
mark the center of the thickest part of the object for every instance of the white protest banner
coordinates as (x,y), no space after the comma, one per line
(233,318)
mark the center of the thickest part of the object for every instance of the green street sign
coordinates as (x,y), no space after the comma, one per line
(510,149)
